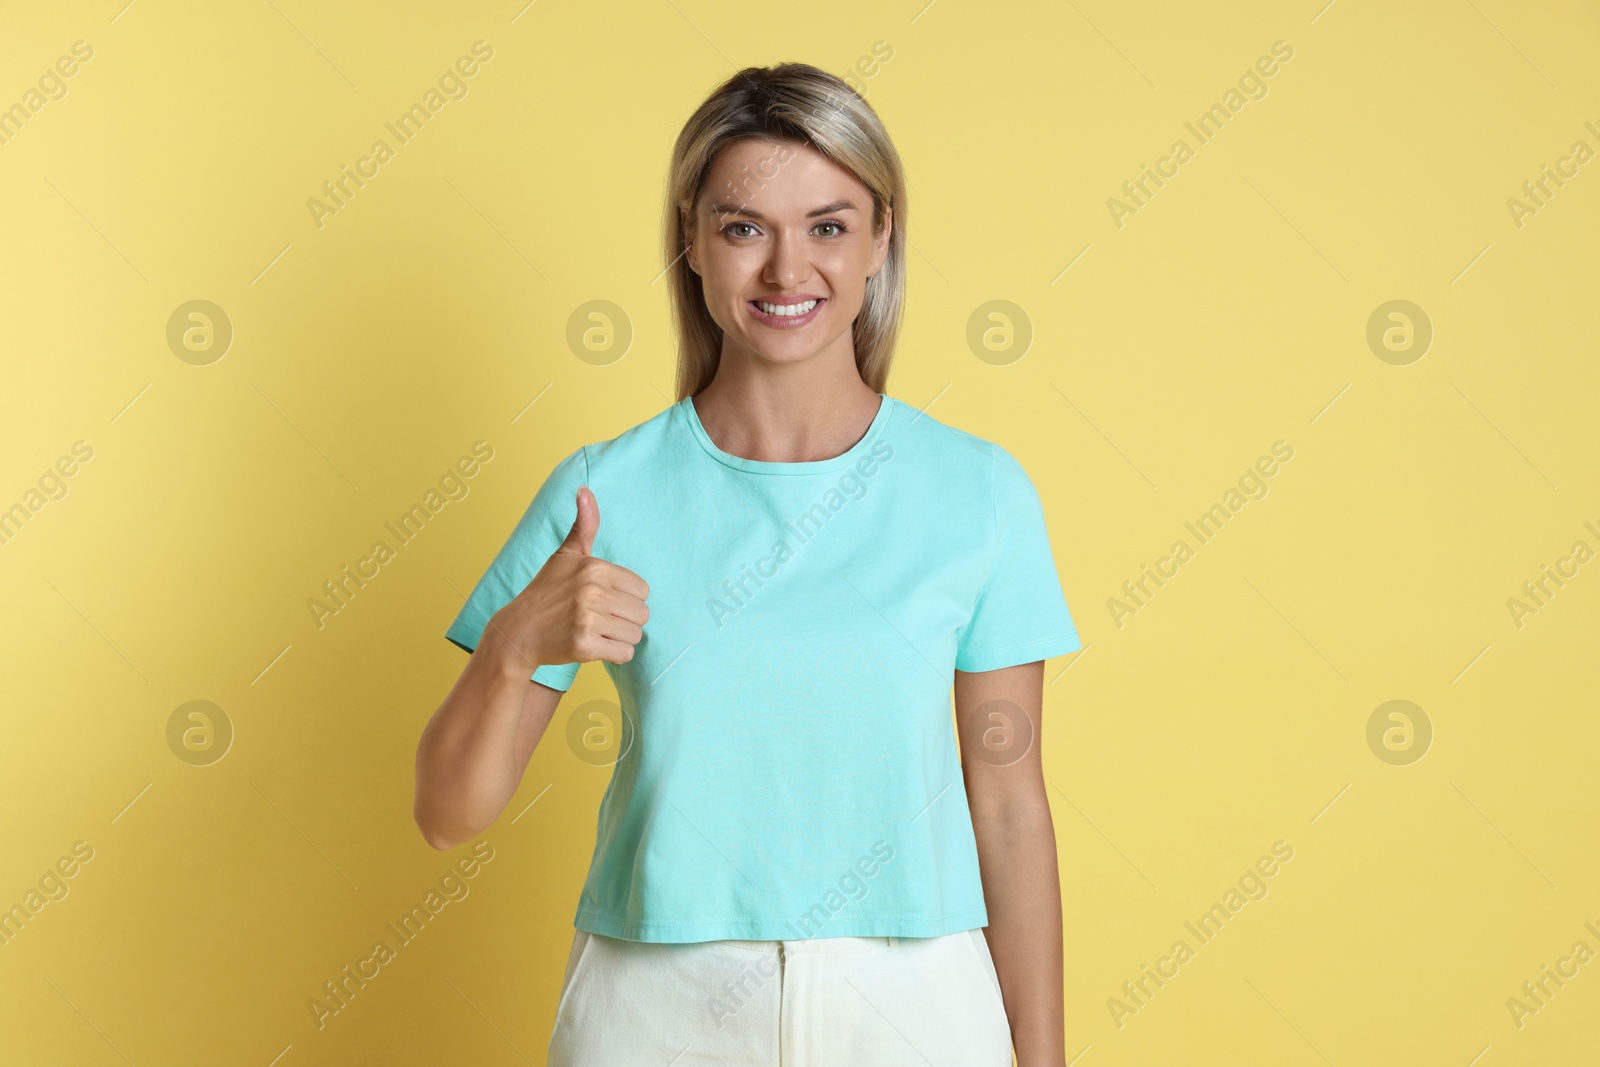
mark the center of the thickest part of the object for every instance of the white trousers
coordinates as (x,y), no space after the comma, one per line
(823,1002)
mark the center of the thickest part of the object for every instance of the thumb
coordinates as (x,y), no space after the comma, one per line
(580,539)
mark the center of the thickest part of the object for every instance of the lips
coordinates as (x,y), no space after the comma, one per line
(786,322)
(786,301)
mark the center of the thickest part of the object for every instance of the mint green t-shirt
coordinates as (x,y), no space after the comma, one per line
(794,770)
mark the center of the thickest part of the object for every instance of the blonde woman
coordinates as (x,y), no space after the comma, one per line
(785,573)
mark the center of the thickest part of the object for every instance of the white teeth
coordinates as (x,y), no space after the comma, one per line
(786,310)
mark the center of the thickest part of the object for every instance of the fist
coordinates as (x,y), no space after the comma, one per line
(579,607)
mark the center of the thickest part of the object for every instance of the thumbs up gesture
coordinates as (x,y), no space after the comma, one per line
(579,607)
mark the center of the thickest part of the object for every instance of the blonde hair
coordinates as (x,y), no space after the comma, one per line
(792,102)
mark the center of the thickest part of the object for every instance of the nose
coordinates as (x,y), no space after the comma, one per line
(788,265)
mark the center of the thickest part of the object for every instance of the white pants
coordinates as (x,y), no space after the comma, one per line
(824,1002)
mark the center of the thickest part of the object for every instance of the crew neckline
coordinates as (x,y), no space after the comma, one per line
(764,466)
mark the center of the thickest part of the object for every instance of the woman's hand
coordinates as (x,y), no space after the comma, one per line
(577,608)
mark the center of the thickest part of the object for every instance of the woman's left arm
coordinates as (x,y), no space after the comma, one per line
(1001,763)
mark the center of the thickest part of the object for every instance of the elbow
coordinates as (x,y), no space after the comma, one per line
(1010,813)
(436,840)
(430,833)
(451,805)
(433,807)
(438,833)
(440,839)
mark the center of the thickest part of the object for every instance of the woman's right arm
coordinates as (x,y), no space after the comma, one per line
(476,747)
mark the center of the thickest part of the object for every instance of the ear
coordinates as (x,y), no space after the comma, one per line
(880,244)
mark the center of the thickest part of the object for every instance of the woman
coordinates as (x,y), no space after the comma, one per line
(792,864)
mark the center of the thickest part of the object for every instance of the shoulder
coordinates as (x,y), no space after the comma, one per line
(971,472)
(637,442)
(957,453)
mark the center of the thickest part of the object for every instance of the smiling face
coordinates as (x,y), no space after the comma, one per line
(779,229)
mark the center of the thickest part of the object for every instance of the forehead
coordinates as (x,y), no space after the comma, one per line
(779,178)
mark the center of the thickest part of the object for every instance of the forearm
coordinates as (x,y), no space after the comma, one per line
(466,768)
(1022,890)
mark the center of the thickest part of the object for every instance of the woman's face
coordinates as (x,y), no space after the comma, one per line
(779,223)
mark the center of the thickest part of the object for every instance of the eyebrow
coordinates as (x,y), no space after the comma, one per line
(825,209)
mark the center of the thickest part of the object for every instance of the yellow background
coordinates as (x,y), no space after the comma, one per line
(369,354)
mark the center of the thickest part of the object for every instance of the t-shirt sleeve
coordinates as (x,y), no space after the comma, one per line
(1021,614)
(540,531)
